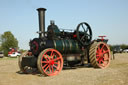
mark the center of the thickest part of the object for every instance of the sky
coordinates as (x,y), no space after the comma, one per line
(106,17)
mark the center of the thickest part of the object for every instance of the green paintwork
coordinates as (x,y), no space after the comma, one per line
(66,46)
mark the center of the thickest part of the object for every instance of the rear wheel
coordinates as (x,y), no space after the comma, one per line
(50,62)
(99,55)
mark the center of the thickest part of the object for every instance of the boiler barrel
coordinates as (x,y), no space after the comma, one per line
(63,46)
(66,46)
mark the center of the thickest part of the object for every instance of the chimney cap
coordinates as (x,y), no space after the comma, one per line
(41,9)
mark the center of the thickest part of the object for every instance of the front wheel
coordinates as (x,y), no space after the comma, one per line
(99,55)
(50,62)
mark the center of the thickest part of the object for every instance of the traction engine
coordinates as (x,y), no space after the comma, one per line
(57,47)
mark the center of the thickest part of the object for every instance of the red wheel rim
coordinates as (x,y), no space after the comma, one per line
(103,55)
(51,62)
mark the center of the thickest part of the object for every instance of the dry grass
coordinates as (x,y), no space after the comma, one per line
(115,74)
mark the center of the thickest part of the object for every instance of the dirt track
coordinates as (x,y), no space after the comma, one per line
(115,74)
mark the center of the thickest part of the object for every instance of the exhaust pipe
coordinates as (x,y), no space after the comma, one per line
(41,14)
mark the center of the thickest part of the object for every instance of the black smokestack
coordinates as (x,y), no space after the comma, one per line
(41,13)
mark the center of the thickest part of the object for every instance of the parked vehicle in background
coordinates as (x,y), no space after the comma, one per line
(1,54)
(12,50)
(125,50)
(117,49)
(14,54)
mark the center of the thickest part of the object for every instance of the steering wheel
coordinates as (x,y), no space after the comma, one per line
(84,33)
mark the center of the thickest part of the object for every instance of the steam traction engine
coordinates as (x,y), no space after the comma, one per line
(56,48)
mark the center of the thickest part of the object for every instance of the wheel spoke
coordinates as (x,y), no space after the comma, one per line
(82,37)
(55,66)
(86,30)
(102,63)
(56,63)
(51,52)
(98,50)
(105,52)
(50,68)
(102,47)
(44,66)
(45,58)
(57,59)
(53,56)
(83,27)
(98,58)
(44,62)
(99,61)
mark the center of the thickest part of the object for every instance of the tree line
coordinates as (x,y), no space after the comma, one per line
(122,46)
(7,40)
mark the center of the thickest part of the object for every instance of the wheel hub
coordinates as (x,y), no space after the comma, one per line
(101,54)
(51,62)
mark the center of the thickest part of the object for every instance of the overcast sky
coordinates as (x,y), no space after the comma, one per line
(106,17)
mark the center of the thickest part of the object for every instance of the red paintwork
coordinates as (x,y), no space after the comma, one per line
(103,55)
(12,50)
(37,46)
(102,37)
(75,36)
(52,62)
